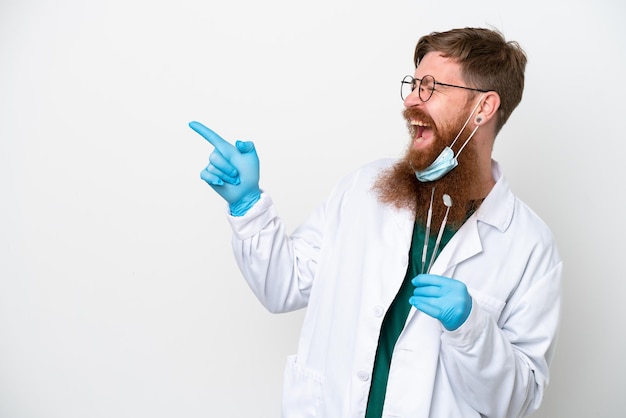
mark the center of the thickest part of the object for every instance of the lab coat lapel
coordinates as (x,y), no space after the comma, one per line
(395,241)
(464,244)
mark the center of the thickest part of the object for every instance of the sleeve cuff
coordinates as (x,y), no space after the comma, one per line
(255,219)
(473,327)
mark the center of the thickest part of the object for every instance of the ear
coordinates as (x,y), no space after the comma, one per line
(488,109)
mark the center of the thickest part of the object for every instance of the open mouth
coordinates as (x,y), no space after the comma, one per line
(421,131)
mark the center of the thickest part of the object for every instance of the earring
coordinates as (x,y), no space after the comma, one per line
(478,120)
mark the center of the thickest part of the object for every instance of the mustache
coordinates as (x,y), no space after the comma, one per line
(413,113)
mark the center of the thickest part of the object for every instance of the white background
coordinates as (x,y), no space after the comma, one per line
(119,296)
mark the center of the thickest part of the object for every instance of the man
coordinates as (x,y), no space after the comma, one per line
(431,290)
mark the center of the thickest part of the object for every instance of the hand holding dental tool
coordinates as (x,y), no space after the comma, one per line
(233,171)
(442,298)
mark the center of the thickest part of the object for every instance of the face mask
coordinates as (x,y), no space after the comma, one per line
(446,161)
(442,165)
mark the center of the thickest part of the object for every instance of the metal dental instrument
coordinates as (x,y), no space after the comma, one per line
(428,219)
(447,200)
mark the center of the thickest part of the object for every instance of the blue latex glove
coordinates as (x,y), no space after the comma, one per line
(442,298)
(233,171)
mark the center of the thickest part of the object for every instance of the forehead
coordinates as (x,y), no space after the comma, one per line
(444,69)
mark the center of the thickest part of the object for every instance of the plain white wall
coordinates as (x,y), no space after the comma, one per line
(119,296)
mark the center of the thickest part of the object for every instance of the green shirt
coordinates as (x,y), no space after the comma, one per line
(396,317)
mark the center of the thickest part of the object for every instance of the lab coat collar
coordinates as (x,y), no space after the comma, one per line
(497,208)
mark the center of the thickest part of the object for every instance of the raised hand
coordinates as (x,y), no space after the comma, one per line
(233,171)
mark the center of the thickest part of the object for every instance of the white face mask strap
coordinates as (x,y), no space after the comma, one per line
(464,125)
(466,141)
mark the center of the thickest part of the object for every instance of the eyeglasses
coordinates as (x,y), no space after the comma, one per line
(426,87)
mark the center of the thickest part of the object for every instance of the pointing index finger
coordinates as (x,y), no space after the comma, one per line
(223,146)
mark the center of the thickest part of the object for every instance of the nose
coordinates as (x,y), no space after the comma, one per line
(412,99)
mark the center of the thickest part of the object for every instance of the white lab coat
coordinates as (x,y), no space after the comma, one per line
(346,264)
